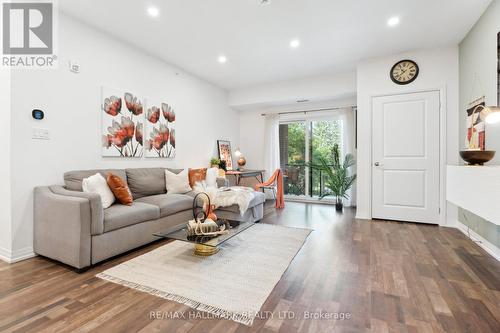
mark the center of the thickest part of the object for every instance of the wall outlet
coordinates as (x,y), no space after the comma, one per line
(40,134)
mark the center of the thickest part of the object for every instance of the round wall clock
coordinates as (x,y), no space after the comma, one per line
(404,72)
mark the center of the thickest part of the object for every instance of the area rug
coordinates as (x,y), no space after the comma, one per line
(232,284)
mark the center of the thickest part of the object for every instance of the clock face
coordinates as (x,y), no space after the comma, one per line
(404,72)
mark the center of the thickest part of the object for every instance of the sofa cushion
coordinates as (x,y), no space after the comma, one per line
(73,179)
(146,181)
(259,198)
(176,171)
(118,216)
(120,189)
(97,184)
(169,203)
(197,175)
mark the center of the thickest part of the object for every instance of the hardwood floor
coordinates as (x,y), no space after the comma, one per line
(386,276)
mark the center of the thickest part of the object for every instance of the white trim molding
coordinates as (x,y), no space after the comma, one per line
(16,255)
(479,240)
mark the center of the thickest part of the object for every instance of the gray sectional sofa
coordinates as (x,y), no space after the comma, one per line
(72,227)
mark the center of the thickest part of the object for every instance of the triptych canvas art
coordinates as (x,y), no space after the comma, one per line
(133,126)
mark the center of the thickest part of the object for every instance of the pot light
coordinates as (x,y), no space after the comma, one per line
(222,59)
(294,43)
(153,11)
(393,21)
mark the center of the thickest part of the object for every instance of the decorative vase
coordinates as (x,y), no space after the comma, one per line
(222,173)
(241,162)
(339,205)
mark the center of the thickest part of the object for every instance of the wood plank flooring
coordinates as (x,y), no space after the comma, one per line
(384,276)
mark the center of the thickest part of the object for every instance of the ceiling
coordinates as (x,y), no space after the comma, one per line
(334,34)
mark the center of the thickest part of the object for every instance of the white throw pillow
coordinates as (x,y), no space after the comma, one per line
(211,178)
(97,184)
(177,183)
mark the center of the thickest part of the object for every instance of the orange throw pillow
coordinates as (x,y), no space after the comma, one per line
(120,189)
(197,175)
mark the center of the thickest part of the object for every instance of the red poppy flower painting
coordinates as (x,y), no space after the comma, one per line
(168,112)
(112,105)
(160,140)
(122,128)
(153,114)
(133,104)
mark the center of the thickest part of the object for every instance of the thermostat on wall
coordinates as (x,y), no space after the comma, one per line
(74,66)
(37,114)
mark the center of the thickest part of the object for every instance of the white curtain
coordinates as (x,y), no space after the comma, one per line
(346,117)
(272,141)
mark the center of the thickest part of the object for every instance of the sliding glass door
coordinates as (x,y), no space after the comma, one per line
(303,142)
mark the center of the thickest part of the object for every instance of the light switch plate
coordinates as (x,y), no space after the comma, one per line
(40,133)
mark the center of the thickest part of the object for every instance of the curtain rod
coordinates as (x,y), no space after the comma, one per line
(308,111)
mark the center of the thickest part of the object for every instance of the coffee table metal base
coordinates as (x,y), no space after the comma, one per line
(204,250)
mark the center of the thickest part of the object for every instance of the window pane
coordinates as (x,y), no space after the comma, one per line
(324,135)
(292,156)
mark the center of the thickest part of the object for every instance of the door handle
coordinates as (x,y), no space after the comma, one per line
(376,163)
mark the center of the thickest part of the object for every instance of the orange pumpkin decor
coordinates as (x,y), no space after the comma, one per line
(209,209)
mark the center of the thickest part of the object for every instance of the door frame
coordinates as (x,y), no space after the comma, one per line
(442,146)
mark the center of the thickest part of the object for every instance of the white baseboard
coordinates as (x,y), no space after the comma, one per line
(483,243)
(17,255)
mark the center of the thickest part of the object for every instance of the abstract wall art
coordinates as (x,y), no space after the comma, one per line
(122,123)
(160,128)
(225,153)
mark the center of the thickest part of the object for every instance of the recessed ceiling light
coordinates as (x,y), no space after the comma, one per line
(393,21)
(222,59)
(265,2)
(153,11)
(294,43)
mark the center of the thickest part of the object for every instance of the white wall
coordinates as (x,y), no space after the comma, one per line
(253,125)
(5,192)
(319,88)
(478,58)
(72,106)
(438,70)
(323,91)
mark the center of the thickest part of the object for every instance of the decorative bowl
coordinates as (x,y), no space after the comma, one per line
(477,157)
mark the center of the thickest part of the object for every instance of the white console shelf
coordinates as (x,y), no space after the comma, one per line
(476,189)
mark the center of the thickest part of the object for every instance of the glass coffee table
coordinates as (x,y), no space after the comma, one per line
(204,245)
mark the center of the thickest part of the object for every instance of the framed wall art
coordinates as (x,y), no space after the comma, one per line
(225,153)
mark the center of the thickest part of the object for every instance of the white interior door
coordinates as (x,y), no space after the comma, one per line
(405,170)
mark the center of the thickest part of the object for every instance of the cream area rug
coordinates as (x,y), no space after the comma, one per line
(233,283)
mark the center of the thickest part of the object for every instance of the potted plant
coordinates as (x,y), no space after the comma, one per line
(337,176)
(214,162)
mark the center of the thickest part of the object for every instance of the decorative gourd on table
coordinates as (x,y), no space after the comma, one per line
(203,223)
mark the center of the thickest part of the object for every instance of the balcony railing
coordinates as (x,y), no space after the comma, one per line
(301,180)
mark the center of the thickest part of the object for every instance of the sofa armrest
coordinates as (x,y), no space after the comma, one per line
(62,227)
(97,212)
